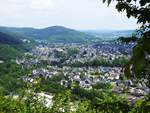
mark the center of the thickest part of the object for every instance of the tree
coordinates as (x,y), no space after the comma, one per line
(139,65)
(139,9)
(62,102)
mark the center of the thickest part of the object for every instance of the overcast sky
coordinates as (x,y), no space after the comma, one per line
(77,14)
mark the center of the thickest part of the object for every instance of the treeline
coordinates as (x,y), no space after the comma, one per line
(117,62)
(10,73)
(75,100)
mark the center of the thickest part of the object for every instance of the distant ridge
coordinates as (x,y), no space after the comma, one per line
(52,34)
(109,34)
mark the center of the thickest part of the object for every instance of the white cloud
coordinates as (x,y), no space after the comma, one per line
(79,14)
(41,5)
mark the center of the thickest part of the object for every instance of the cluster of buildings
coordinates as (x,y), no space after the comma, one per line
(59,54)
(84,76)
(57,57)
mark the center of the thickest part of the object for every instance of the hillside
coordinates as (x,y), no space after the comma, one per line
(52,34)
(11,46)
(9,39)
(9,52)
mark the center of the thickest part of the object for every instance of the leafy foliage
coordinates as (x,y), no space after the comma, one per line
(140,60)
(9,74)
(139,65)
(134,8)
(128,39)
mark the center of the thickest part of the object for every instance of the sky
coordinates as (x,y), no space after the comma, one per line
(76,14)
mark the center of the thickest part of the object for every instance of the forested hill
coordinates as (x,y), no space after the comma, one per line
(52,34)
(8,39)
(11,46)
